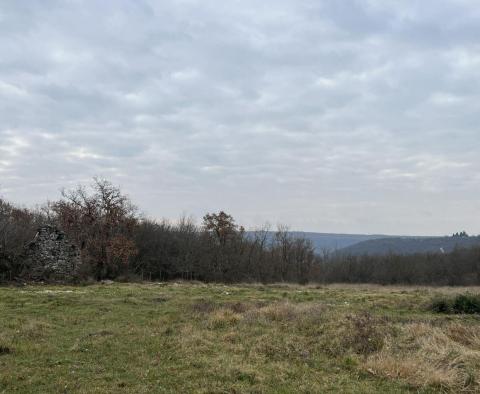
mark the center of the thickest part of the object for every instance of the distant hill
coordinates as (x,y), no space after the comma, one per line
(331,242)
(326,241)
(410,245)
(378,244)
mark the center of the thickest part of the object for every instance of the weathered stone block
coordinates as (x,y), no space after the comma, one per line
(51,256)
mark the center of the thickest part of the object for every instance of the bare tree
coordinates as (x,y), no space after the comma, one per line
(17,228)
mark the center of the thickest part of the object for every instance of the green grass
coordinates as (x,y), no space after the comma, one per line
(196,338)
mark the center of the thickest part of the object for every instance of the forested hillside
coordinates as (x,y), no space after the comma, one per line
(411,245)
(332,242)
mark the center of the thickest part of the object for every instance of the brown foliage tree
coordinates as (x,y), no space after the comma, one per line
(221,225)
(101,223)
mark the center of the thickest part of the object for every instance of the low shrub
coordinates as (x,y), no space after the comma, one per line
(441,305)
(466,303)
(460,304)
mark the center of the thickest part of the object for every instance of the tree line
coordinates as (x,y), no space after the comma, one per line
(116,242)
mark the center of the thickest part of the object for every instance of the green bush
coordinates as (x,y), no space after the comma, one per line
(466,303)
(462,303)
(441,305)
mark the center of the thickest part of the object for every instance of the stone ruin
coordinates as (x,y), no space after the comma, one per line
(51,256)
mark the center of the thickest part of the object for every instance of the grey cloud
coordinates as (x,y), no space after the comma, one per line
(356,116)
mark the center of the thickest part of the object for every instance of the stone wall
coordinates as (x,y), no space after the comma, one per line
(51,256)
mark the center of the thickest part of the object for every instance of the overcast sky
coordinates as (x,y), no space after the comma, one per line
(326,115)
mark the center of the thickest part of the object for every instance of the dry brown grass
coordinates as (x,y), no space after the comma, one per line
(423,355)
(465,335)
(284,312)
(364,333)
(34,329)
(223,318)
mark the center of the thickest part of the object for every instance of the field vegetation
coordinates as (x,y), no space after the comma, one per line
(212,338)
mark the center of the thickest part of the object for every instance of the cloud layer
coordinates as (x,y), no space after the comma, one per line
(341,116)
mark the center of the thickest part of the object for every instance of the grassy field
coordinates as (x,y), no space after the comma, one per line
(182,338)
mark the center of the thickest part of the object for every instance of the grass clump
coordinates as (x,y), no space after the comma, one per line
(223,318)
(367,333)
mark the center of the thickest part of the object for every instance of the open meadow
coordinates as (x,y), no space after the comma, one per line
(198,338)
